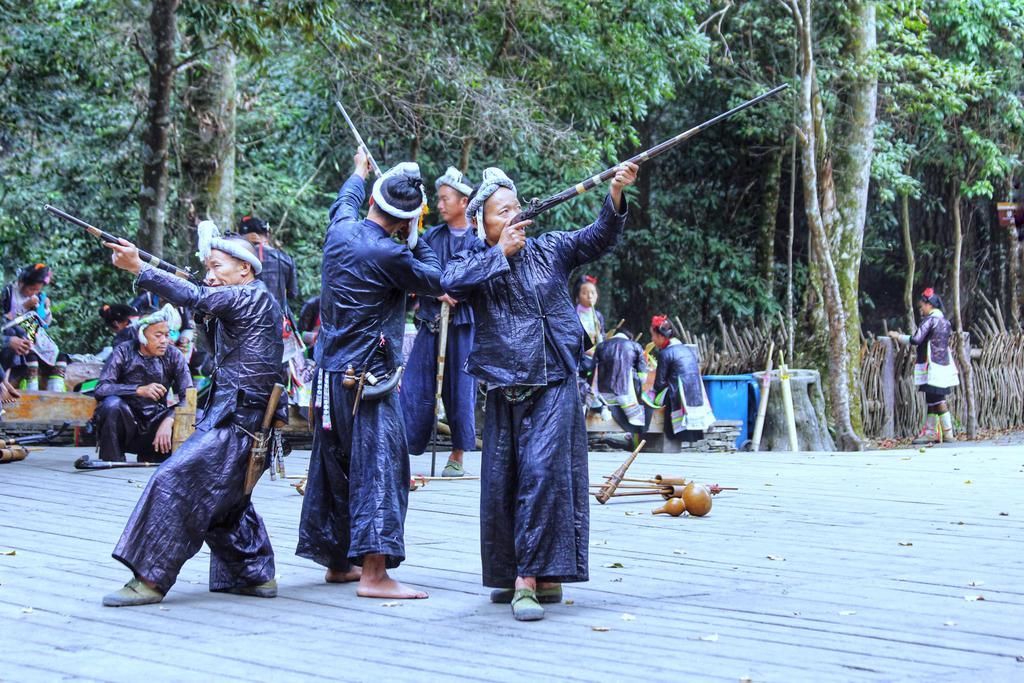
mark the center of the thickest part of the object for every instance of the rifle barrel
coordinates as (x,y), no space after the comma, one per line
(537,207)
(154,261)
(359,139)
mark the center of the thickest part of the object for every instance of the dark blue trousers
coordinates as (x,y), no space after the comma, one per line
(458,389)
(534,505)
(197,496)
(357,492)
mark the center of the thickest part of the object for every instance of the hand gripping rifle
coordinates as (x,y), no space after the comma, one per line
(539,206)
(166,266)
(359,139)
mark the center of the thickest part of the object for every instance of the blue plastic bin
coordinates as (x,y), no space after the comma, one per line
(734,397)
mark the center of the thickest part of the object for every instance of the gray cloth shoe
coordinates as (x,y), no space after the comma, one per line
(267,589)
(525,606)
(453,469)
(545,596)
(134,593)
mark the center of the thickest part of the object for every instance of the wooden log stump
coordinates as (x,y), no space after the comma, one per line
(808,407)
(184,419)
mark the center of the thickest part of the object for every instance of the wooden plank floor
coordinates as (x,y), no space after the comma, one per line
(822,567)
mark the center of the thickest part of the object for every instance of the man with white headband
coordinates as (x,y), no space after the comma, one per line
(534,518)
(353,511)
(419,383)
(198,495)
(132,414)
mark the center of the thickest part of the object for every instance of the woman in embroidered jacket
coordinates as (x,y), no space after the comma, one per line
(935,373)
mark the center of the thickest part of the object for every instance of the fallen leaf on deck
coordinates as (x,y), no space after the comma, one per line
(599,543)
(1020,658)
(614,565)
(975,583)
(949,623)
(713,638)
(618,580)
(967,481)
(776,557)
(847,613)
(1004,514)
(570,601)
(768,484)
(10,552)
(164,609)
(633,513)
(973,598)
(391,604)
(628,617)
(746,679)
(907,458)
(600,629)
(678,552)
(26,610)
(906,544)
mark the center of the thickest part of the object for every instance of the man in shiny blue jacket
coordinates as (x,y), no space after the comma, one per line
(198,495)
(534,518)
(353,512)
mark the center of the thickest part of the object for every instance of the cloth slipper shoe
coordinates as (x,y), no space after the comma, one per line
(453,469)
(525,606)
(134,593)
(545,596)
(267,589)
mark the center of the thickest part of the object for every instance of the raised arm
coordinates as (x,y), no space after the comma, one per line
(416,271)
(221,302)
(595,240)
(353,192)
(471,268)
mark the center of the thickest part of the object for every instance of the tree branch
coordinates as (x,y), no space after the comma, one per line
(142,51)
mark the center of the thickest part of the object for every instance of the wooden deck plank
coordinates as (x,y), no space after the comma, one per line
(847,602)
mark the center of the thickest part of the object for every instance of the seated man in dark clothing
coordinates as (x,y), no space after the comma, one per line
(133,414)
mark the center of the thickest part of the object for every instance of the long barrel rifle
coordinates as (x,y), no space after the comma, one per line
(359,139)
(154,261)
(539,206)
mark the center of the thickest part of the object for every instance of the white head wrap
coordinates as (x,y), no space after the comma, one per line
(492,179)
(454,179)
(209,239)
(168,314)
(412,170)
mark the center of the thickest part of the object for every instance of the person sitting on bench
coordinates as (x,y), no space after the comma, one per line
(132,414)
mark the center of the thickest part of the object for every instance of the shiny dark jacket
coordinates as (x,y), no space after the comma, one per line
(444,245)
(679,362)
(618,361)
(937,330)
(247,340)
(279,275)
(127,369)
(365,277)
(527,331)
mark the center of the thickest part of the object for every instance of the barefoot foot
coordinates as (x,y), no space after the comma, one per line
(338,576)
(387,587)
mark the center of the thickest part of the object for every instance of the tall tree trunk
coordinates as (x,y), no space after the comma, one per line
(836,210)
(963,357)
(769,213)
(207,190)
(467,148)
(153,195)
(908,251)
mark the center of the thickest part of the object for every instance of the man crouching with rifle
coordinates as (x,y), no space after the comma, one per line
(198,495)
